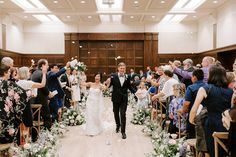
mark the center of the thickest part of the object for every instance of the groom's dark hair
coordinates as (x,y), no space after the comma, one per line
(98,73)
(121,64)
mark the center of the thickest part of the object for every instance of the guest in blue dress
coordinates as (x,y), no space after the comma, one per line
(217,98)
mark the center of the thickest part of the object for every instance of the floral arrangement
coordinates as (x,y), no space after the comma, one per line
(149,126)
(165,145)
(107,93)
(73,117)
(140,115)
(80,66)
(131,99)
(59,129)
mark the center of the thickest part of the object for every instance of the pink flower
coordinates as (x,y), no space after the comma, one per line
(11,93)
(29,93)
(7,108)
(8,102)
(16,97)
(11,131)
(172,141)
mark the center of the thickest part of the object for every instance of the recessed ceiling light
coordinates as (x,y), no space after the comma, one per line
(25,16)
(131,17)
(135,2)
(82,2)
(1,2)
(162,2)
(55,2)
(215,2)
(68,16)
(194,16)
(89,17)
(153,16)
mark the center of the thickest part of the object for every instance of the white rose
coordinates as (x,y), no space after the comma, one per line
(27,146)
(172,141)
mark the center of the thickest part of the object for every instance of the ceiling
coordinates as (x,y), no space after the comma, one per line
(88,11)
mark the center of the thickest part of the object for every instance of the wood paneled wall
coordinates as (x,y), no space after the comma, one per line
(25,59)
(99,50)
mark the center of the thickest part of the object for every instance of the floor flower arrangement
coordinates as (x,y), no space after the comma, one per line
(73,117)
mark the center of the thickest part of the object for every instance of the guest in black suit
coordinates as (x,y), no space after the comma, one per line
(56,102)
(132,74)
(43,93)
(121,83)
(67,88)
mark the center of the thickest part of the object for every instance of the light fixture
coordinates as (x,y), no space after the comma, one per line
(25,17)
(24,4)
(215,2)
(105,18)
(47,18)
(89,17)
(1,2)
(193,4)
(131,17)
(178,18)
(180,4)
(135,2)
(82,2)
(167,17)
(162,2)
(55,2)
(153,16)
(89,52)
(194,16)
(109,5)
(116,18)
(73,42)
(29,4)
(80,46)
(42,18)
(68,16)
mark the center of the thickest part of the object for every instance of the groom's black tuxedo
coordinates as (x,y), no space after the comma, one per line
(120,99)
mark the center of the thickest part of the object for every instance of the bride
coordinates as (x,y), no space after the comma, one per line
(94,106)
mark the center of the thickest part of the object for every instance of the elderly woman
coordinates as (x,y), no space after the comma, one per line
(12,105)
(217,98)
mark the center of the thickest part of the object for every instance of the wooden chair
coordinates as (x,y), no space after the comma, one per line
(218,136)
(192,144)
(4,149)
(37,112)
(162,115)
(180,134)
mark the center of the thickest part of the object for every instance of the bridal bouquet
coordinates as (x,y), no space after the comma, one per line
(80,66)
(140,115)
(107,93)
(73,117)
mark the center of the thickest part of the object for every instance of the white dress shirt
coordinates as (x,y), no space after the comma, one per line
(122,79)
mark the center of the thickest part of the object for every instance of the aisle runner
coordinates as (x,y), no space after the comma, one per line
(107,144)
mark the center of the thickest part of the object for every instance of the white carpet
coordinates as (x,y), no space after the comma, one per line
(108,144)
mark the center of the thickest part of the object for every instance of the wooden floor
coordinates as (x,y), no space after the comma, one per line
(108,144)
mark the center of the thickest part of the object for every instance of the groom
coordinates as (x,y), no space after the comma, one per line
(121,83)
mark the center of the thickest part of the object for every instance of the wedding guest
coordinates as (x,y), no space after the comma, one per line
(56,103)
(65,79)
(217,98)
(206,63)
(82,78)
(190,96)
(175,105)
(75,87)
(8,61)
(141,74)
(142,95)
(13,101)
(43,93)
(13,76)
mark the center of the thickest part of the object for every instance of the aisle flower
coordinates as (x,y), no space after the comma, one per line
(140,115)
(73,117)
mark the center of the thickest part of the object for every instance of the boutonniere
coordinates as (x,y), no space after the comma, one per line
(126,76)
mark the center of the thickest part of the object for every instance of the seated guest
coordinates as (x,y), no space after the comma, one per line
(217,98)
(141,74)
(175,105)
(190,96)
(13,76)
(142,95)
(132,74)
(12,106)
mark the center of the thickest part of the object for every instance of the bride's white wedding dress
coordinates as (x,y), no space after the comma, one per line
(94,110)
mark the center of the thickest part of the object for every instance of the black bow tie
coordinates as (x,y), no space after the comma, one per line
(121,75)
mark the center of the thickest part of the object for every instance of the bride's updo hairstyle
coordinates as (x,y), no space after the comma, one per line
(98,73)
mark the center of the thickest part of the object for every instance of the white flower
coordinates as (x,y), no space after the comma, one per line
(72,121)
(172,141)
(27,146)
(174,136)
